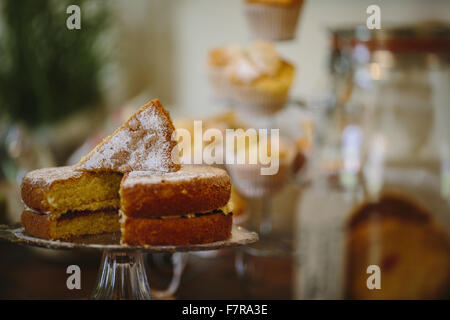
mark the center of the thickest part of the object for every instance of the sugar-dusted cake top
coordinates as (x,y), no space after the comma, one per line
(47,176)
(144,142)
(186,173)
(192,189)
(56,191)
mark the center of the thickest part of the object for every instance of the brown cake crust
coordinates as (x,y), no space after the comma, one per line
(176,231)
(192,189)
(46,227)
(37,184)
(36,225)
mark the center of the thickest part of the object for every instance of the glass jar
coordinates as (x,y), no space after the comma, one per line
(377,210)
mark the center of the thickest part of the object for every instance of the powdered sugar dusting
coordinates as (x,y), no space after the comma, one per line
(142,143)
(185,173)
(47,176)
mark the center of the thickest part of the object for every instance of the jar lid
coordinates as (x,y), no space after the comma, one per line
(418,38)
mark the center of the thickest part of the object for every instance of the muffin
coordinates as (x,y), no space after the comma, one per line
(272,19)
(255,79)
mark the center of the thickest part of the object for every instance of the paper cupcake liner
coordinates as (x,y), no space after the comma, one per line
(248,179)
(219,84)
(252,101)
(240,219)
(268,22)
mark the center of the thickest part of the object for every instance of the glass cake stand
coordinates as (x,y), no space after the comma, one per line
(122,273)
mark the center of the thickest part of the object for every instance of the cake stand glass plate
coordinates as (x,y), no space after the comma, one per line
(122,273)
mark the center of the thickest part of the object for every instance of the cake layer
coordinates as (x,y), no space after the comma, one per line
(58,190)
(143,142)
(70,225)
(176,231)
(191,189)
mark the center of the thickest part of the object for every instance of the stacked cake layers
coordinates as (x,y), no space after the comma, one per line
(183,207)
(156,208)
(62,203)
(131,183)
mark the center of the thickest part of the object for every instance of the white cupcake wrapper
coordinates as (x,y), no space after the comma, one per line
(251,101)
(249,181)
(218,83)
(268,22)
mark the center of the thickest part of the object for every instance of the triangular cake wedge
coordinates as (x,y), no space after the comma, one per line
(144,142)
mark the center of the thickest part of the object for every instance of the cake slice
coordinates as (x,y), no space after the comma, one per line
(143,142)
(62,203)
(178,208)
(55,191)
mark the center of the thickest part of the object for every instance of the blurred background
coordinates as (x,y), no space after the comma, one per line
(365,116)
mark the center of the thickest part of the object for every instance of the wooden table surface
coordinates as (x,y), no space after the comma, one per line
(41,274)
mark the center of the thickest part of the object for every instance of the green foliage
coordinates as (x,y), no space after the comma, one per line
(46,70)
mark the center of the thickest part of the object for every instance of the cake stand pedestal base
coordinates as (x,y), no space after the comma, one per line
(122,276)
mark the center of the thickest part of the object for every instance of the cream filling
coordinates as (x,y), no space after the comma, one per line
(228,208)
(26,207)
(225,210)
(33,210)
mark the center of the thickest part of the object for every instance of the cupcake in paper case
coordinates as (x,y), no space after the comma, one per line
(219,60)
(265,96)
(239,205)
(248,178)
(273,19)
(255,79)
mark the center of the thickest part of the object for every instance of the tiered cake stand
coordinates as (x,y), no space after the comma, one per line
(122,273)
